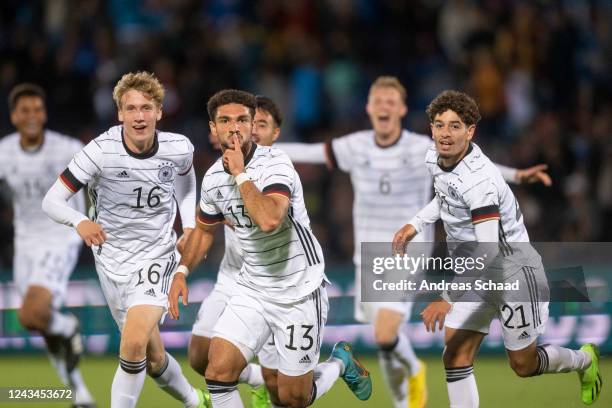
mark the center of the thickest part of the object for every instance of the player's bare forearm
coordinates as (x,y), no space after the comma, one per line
(198,243)
(267,211)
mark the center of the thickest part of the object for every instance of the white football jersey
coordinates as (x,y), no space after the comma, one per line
(474,191)
(30,174)
(391,184)
(286,264)
(132,196)
(232,258)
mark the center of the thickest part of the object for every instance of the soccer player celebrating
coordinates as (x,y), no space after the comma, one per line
(136,178)
(390,182)
(266,131)
(45,252)
(281,284)
(477,205)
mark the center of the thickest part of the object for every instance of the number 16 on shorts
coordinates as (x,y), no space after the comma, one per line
(154,278)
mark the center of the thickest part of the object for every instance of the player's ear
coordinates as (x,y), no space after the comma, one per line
(159,113)
(471,130)
(276,134)
(403,110)
(213,128)
(120,115)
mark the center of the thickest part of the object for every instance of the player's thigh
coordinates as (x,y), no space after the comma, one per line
(48,266)
(197,353)
(388,321)
(140,322)
(226,362)
(298,332)
(242,324)
(210,311)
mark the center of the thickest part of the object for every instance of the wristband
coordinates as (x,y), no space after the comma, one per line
(241,178)
(183,269)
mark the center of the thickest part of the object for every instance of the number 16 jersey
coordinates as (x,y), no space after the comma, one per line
(132,196)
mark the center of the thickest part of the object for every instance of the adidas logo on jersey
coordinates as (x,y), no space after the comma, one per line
(305,359)
(123,174)
(219,195)
(524,335)
(150,292)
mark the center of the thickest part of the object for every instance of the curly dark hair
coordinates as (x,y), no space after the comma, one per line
(22,90)
(267,104)
(460,103)
(227,96)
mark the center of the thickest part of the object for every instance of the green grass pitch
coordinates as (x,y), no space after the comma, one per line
(498,385)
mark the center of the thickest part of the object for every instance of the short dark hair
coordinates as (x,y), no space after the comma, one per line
(460,103)
(227,96)
(24,89)
(267,104)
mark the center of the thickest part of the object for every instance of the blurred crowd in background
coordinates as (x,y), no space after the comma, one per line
(541,72)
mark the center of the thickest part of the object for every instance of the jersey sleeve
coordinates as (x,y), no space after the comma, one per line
(278,176)
(483,200)
(186,163)
(340,152)
(86,165)
(208,212)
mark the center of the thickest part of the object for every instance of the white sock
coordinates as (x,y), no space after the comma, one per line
(127,384)
(555,359)
(62,324)
(82,394)
(461,385)
(252,375)
(59,364)
(394,374)
(171,380)
(224,394)
(325,375)
(405,354)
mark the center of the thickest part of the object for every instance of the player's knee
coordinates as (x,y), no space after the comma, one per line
(198,360)
(133,347)
(456,358)
(385,338)
(220,371)
(294,397)
(523,367)
(271,380)
(34,317)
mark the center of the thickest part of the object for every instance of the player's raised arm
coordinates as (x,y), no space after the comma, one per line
(310,153)
(268,209)
(427,215)
(533,174)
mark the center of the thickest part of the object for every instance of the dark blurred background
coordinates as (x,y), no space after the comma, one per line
(539,70)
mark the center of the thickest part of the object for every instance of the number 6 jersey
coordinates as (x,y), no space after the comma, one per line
(283,265)
(133,197)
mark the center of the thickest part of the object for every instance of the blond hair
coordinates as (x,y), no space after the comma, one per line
(389,82)
(142,81)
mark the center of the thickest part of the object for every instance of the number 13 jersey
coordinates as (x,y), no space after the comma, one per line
(283,265)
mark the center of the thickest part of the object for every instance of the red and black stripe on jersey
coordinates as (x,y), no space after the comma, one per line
(209,219)
(489,212)
(277,188)
(71,182)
